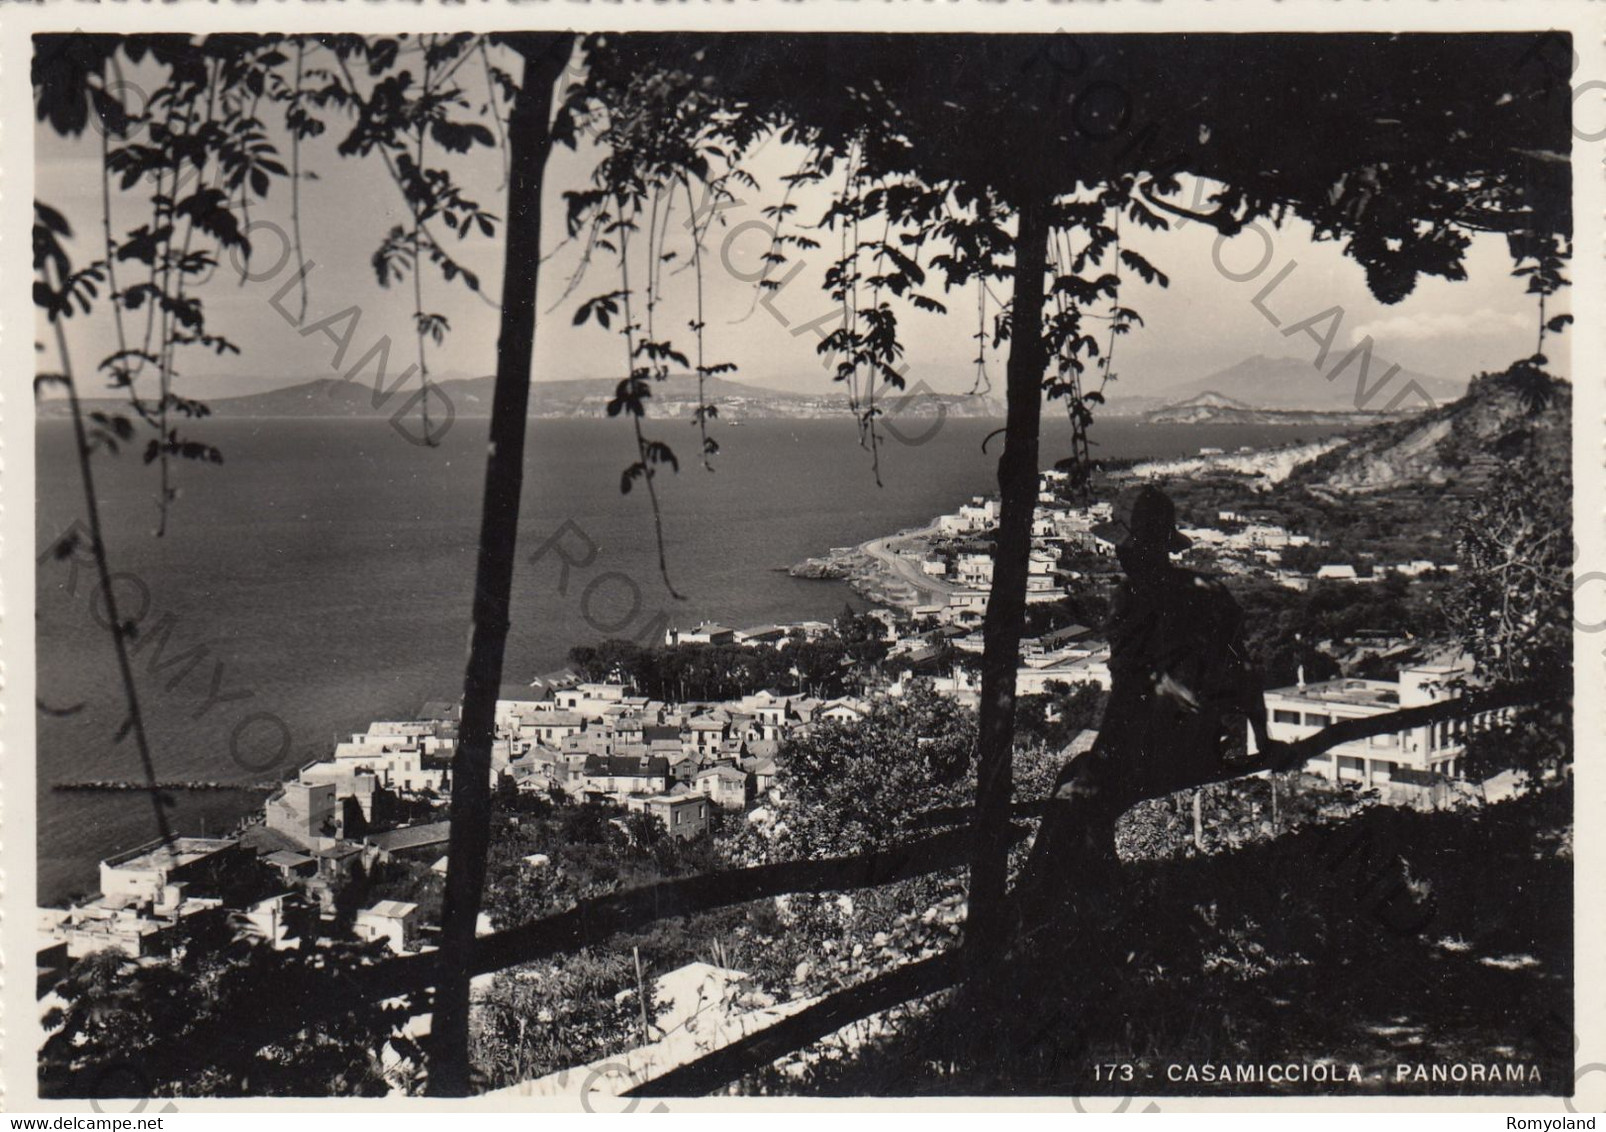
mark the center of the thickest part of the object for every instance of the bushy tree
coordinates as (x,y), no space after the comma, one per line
(216,1021)
(1511,607)
(1058,716)
(853,787)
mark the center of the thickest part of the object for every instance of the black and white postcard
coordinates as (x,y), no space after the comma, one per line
(753,557)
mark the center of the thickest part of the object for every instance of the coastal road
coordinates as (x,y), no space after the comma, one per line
(928,590)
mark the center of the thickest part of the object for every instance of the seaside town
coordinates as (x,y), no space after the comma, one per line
(687,763)
(1226,752)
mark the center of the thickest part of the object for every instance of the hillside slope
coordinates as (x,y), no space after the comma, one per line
(1261,382)
(1454,447)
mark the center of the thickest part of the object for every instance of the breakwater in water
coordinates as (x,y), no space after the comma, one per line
(115,784)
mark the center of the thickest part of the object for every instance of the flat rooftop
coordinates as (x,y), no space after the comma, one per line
(1358,693)
(170,854)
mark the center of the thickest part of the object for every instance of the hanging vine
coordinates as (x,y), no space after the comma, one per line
(645,360)
(396,119)
(195,160)
(57,297)
(649,153)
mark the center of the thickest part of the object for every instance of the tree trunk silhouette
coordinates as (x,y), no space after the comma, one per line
(529,143)
(1006,604)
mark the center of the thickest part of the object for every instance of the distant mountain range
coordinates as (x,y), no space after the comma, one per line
(675,396)
(1215,408)
(1452,451)
(1244,393)
(1293,384)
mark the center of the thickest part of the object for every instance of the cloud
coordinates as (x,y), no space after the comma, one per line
(1484,322)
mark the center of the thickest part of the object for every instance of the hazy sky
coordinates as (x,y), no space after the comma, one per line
(1204,322)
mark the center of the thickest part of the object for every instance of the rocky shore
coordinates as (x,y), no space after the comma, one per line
(822,569)
(872,571)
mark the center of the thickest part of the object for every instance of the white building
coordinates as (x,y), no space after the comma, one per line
(398,768)
(975,570)
(979,514)
(706,633)
(761,635)
(966,607)
(149,873)
(395,921)
(1264,535)
(1402,763)
(1092,668)
(1042,588)
(518,699)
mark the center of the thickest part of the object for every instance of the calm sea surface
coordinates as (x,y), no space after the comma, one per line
(323,576)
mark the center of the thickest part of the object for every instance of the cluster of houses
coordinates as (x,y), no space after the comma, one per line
(145,898)
(956,558)
(148,894)
(360,806)
(382,793)
(673,760)
(713,633)
(1246,543)
(1073,654)
(1239,542)
(963,569)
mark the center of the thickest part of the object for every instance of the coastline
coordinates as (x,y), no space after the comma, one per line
(883,570)
(880,569)
(373,668)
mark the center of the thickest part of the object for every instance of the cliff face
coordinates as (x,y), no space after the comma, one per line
(1456,446)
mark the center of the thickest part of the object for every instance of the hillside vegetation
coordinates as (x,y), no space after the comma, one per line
(1455,447)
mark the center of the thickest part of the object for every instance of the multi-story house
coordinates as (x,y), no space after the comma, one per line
(724,785)
(304,811)
(1405,763)
(626,774)
(684,814)
(975,570)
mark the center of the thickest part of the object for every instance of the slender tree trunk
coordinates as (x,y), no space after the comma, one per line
(103,573)
(641,997)
(530,141)
(1006,605)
